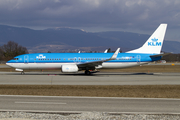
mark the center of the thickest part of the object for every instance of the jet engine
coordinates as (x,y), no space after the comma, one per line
(69,68)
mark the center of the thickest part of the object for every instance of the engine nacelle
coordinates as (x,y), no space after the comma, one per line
(69,68)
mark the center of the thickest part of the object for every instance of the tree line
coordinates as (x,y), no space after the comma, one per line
(10,50)
(172,58)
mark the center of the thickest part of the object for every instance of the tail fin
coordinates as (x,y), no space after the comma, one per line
(154,44)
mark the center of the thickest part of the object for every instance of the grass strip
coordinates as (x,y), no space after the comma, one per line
(144,91)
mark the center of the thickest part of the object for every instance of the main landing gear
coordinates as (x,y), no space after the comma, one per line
(87,72)
(22,73)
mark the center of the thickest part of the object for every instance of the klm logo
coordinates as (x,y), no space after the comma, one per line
(154,42)
(40,56)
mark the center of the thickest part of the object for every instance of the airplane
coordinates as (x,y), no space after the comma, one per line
(74,62)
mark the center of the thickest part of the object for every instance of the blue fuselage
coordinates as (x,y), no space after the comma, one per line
(56,60)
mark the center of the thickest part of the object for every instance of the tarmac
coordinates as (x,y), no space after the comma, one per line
(78,104)
(100,78)
(55,104)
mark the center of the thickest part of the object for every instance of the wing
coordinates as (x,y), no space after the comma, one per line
(96,63)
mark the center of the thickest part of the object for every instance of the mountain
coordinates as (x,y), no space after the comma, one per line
(73,40)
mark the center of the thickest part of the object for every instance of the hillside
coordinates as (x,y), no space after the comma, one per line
(67,40)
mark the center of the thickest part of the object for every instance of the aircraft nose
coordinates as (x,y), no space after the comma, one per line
(8,64)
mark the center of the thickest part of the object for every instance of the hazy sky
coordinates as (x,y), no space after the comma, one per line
(142,16)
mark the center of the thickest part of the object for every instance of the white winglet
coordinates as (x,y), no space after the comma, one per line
(115,54)
(106,51)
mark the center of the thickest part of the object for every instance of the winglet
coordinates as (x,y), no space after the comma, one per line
(115,54)
(106,51)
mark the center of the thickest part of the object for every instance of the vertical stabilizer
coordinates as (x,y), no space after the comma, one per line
(154,44)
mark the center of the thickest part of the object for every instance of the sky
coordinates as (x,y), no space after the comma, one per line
(139,16)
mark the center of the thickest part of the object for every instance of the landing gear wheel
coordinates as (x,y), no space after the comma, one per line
(22,73)
(87,72)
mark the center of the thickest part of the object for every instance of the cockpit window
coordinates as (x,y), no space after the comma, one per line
(15,59)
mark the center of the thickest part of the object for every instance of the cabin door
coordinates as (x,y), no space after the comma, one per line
(26,59)
(138,59)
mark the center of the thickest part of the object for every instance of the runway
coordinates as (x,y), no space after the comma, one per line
(101,78)
(79,104)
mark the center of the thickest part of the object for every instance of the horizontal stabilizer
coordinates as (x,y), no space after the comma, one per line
(160,55)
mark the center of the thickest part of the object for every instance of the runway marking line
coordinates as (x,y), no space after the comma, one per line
(84,97)
(39,103)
